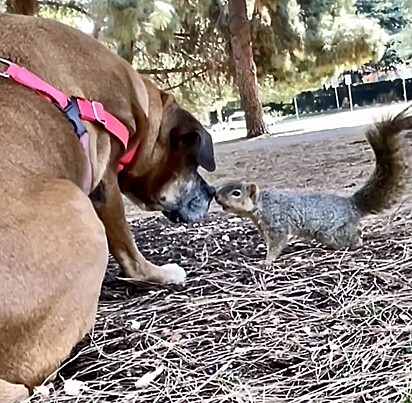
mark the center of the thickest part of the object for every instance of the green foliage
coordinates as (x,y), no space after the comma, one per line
(392,15)
(63,14)
(297,44)
(402,43)
(150,22)
(395,16)
(298,48)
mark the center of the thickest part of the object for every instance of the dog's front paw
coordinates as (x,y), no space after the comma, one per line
(174,273)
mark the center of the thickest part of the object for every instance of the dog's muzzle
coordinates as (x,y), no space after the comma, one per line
(192,207)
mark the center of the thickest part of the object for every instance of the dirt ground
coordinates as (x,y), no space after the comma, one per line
(302,161)
(319,326)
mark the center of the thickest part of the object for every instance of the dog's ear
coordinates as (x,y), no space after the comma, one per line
(206,156)
(253,190)
(188,131)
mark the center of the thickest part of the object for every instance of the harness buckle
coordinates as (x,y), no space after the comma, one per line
(98,112)
(72,113)
(6,63)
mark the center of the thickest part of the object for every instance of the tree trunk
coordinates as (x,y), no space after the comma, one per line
(240,40)
(126,51)
(25,7)
(9,6)
(97,27)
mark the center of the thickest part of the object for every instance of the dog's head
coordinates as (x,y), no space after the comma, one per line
(164,175)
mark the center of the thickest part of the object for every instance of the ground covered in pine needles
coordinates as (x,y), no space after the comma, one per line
(318,326)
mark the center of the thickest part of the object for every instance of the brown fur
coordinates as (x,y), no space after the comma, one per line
(55,246)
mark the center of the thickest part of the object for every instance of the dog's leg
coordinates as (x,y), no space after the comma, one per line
(12,393)
(122,245)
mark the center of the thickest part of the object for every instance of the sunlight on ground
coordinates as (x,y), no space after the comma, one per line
(330,121)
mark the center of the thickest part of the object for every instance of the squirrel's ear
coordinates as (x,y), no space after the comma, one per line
(253,192)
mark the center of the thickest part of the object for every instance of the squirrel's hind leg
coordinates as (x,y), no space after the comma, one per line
(346,237)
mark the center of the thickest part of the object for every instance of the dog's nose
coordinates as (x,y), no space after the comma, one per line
(211,191)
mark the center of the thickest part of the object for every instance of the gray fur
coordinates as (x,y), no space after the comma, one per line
(330,219)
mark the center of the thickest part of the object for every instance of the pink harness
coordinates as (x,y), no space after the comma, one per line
(75,109)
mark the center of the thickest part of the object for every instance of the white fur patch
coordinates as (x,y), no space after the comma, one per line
(176,273)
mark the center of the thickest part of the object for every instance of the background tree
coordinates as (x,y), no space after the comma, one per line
(395,17)
(25,7)
(185,45)
(245,68)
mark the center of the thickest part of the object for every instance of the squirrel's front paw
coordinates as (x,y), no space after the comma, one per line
(270,258)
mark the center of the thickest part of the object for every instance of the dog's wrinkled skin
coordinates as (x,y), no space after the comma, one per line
(178,191)
(55,239)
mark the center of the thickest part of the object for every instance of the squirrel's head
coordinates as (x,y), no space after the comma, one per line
(237,197)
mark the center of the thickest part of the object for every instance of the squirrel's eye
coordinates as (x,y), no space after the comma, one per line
(236,193)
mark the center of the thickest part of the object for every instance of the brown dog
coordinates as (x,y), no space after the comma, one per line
(54,238)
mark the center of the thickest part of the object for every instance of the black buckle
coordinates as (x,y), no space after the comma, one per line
(6,63)
(72,113)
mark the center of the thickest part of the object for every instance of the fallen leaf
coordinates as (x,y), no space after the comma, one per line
(307,330)
(135,325)
(43,390)
(130,396)
(146,379)
(73,387)
(404,317)
(175,337)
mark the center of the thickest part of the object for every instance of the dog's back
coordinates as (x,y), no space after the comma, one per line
(31,127)
(27,120)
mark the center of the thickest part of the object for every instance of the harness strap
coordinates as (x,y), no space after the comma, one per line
(30,80)
(74,108)
(94,111)
(127,158)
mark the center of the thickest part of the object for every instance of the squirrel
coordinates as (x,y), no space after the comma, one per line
(330,219)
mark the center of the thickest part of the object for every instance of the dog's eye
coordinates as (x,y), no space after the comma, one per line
(236,193)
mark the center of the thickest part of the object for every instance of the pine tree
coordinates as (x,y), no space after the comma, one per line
(192,46)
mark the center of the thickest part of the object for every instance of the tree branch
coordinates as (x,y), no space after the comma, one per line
(166,71)
(186,80)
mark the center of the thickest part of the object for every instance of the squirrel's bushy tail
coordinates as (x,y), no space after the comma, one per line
(387,183)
